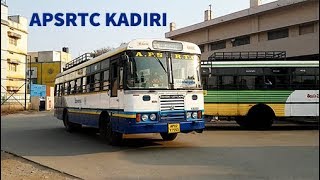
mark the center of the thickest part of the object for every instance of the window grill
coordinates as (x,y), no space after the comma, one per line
(247,56)
(79,60)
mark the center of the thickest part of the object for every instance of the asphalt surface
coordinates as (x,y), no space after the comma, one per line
(284,152)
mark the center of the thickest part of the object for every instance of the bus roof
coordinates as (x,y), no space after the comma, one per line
(302,63)
(142,44)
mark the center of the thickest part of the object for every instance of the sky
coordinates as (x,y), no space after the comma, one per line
(86,39)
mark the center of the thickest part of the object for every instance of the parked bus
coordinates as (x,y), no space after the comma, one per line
(144,86)
(256,89)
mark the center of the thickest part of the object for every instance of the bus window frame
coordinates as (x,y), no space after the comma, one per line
(105,82)
(114,66)
(267,72)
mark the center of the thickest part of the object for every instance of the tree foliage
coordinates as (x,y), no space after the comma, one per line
(100,51)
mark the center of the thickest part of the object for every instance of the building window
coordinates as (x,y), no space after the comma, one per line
(36,59)
(306,29)
(218,45)
(12,67)
(34,81)
(239,41)
(201,48)
(278,34)
(13,41)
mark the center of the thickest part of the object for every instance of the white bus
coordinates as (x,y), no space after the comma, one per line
(257,92)
(144,86)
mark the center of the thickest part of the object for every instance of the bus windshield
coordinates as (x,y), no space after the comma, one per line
(185,70)
(149,70)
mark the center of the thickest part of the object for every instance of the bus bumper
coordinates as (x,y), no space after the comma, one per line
(185,127)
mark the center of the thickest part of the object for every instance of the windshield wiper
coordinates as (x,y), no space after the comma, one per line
(159,61)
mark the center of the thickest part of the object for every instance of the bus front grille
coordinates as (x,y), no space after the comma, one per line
(172,107)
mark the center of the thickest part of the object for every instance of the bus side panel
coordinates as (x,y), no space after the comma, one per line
(303,103)
(240,109)
(58,113)
(211,109)
(238,103)
(278,109)
(88,118)
(58,108)
(228,109)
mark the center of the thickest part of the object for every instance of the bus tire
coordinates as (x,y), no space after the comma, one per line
(168,137)
(69,126)
(260,116)
(242,122)
(106,132)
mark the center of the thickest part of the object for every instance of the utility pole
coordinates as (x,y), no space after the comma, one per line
(210,11)
(25,84)
(30,82)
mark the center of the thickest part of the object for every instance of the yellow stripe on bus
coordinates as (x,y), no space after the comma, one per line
(124,115)
(84,112)
(113,114)
(238,109)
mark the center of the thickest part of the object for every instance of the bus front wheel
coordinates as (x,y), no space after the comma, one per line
(69,126)
(168,137)
(107,133)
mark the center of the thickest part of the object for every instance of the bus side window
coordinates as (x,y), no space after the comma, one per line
(105,80)
(246,82)
(212,82)
(72,87)
(55,90)
(84,84)
(97,82)
(267,82)
(66,88)
(227,82)
(60,90)
(309,82)
(204,83)
(77,86)
(90,83)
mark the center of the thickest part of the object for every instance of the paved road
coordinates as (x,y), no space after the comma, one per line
(218,153)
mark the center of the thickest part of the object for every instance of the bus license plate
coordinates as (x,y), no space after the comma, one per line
(174,128)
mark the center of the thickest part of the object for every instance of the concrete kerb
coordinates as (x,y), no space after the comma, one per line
(44,166)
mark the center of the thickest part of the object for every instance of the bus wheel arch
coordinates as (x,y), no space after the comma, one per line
(105,130)
(260,116)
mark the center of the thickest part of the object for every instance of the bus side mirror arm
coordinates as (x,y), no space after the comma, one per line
(125,57)
(129,63)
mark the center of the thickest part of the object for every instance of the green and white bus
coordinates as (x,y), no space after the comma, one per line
(255,93)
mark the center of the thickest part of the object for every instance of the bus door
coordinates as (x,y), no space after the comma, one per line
(114,78)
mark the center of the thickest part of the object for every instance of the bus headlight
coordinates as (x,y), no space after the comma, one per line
(194,115)
(153,117)
(144,117)
(188,115)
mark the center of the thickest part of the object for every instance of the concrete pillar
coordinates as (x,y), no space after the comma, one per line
(207,15)
(255,3)
(172,26)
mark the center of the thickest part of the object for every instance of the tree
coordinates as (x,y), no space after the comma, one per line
(100,51)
